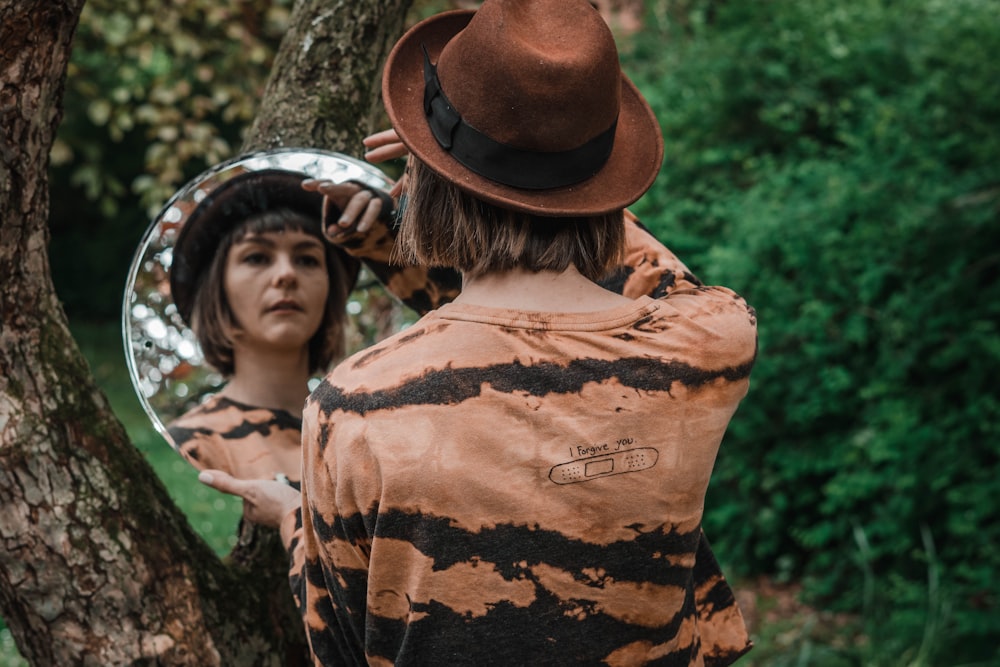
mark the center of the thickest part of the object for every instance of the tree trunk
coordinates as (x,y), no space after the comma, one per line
(97,566)
(79,572)
(325,83)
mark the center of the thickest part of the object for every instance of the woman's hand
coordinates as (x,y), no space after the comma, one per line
(357,207)
(265,502)
(385,145)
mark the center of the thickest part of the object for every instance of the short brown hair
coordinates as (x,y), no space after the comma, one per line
(212,319)
(445,226)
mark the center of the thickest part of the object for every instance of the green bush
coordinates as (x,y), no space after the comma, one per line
(837,164)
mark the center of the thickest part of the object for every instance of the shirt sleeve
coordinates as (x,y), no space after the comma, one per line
(291,537)
(327,540)
(649,267)
(419,287)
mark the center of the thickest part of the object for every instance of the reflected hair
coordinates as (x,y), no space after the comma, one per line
(212,319)
(445,226)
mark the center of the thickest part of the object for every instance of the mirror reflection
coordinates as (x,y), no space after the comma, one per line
(280,296)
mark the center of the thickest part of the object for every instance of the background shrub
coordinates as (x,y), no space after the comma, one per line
(837,163)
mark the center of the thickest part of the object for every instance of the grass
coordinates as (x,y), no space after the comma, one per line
(788,633)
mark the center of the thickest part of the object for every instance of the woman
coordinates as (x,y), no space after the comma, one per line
(519,477)
(265,295)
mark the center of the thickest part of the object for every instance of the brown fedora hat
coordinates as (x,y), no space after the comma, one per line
(523,104)
(231,203)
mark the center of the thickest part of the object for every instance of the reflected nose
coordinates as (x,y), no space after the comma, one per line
(284,271)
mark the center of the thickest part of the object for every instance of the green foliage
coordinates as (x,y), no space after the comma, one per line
(836,163)
(9,656)
(155,93)
(178,79)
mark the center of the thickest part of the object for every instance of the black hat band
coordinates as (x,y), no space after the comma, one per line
(530,170)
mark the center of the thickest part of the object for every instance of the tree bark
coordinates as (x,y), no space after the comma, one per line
(79,573)
(97,566)
(326,80)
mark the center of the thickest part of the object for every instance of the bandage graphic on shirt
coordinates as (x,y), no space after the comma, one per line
(618,463)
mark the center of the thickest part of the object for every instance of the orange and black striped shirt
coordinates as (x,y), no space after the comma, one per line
(246,441)
(256,442)
(501,487)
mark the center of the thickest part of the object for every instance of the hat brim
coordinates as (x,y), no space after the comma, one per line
(228,205)
(630,170)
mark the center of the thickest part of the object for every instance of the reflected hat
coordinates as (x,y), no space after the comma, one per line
(523,104)
(231,203)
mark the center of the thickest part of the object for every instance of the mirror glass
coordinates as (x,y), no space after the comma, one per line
(164,360)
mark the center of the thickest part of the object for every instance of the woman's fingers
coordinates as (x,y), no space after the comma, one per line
(339,201)
(221,481)
(384,145)
(265,502)
(384,153)
(359,214)
(370,214)
(357,209)
(397,189)
(311,184)
(381,138)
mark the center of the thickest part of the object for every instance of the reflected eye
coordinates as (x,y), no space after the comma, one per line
(256,259)
(310,261)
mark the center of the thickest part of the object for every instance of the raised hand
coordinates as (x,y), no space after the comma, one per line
(385,145)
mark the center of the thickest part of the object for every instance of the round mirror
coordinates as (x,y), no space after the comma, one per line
(164,360)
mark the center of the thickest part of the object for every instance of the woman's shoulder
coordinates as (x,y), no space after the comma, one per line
(211,412)
(220,417)
(713,325)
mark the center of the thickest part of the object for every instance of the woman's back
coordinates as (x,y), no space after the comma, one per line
(525,487)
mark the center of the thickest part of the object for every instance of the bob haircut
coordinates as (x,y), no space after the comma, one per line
(445,226)
(212,319)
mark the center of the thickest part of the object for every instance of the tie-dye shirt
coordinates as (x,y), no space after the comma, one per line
(246,441)
(501,487)
(648,269)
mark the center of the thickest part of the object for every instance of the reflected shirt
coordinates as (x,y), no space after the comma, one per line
(246,441)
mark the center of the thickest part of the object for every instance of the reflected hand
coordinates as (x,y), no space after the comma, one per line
(358,208)
(265,502)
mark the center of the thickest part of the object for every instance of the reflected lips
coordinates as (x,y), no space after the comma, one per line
(285,305)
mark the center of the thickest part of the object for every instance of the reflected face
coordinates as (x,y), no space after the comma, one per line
(276,284)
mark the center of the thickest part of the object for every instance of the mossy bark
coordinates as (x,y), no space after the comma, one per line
(97,565)
(324,88)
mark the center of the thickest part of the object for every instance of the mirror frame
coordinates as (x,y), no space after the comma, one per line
(165,364)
